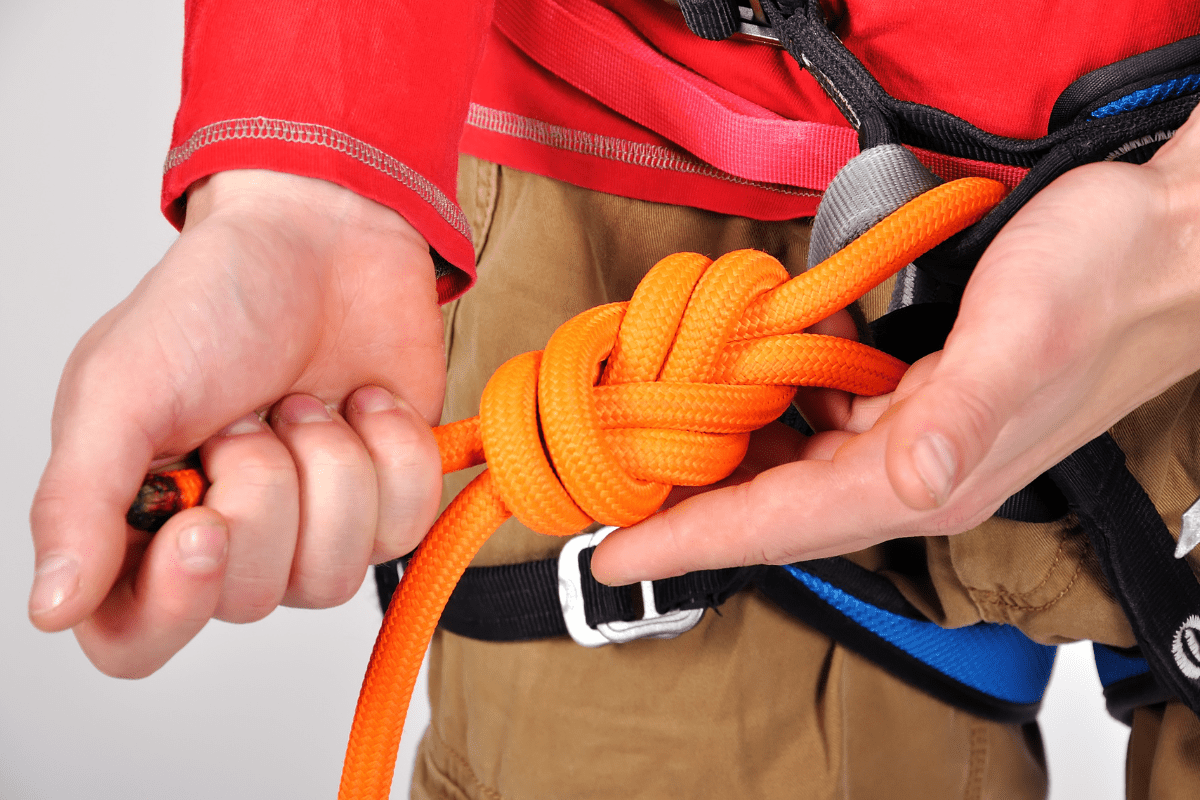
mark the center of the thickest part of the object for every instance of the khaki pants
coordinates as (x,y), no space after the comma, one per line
(750,703)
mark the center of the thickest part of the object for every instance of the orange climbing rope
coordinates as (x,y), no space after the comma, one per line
(630,400)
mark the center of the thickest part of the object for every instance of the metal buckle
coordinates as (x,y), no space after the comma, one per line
(1189,532)
(755,26)
(652,625)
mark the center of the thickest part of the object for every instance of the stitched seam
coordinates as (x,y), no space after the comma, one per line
(977,762)
(322,136)
(1062,544)
(486,194)
(481,196)
(610,148)
(1158,136)
(834,93)
(1010,601)
(487,791)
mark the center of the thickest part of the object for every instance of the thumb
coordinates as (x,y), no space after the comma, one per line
(78,514)
(117,408)
(942,431)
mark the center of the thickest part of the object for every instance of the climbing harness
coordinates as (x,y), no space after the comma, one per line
(1121,112)
(633,398)
(703,353)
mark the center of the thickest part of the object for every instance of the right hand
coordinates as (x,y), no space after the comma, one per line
(285,298)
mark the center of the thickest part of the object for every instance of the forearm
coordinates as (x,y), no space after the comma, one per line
(362,95)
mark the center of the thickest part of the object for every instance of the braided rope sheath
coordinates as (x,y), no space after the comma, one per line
(703,354)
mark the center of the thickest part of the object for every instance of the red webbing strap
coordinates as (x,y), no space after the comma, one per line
(594,50)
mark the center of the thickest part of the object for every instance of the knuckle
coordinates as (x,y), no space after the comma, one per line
(977,414)
(123,659)
(50,502)
(959,516)
(325,590)
(120,668)
(330,452)
(339,463)
(676,543)
(260,470)
(180,612)
(249,603)
(410,502)
(400,534)
(391,548)
(405,447)
(764,512)
(408,507)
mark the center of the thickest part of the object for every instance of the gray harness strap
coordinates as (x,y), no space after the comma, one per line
(872,185)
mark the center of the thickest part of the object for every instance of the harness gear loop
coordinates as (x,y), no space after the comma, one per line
(703,353)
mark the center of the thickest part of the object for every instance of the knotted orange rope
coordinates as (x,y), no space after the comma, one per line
(703,353)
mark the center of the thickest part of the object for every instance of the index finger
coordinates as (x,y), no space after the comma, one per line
(810,508)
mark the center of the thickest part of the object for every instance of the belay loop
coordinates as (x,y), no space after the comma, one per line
(703,353)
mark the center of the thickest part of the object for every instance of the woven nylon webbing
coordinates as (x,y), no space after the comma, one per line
(872,185)
(881,118)
(1159,594)
(992,671)
(520,602)
(1100,84)
(710,19)
(716,125)
(1127,682)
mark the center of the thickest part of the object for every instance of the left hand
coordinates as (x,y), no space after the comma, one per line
(1085,306)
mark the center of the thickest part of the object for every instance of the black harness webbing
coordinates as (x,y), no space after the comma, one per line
(853,606)
(1124,112)
(1127,682)
(1159,593)
(1082,138)
(520,602)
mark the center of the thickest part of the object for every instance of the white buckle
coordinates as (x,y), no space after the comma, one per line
(652,625)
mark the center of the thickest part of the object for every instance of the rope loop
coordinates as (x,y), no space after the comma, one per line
(633,398)
(630,399)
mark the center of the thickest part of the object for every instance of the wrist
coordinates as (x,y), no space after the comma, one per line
(310,206)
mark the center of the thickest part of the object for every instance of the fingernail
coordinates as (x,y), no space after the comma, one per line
(251,423)
(935,464)
(303,408)
(374,399)
(56,579)
(611,580)
(202,548)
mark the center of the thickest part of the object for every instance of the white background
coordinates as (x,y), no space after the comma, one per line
(87,95)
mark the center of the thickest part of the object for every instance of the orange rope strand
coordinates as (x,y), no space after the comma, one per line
(703,354)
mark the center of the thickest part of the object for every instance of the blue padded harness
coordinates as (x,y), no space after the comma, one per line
(995,659)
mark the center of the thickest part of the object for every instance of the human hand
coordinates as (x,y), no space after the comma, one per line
(1086,305)
(285,297)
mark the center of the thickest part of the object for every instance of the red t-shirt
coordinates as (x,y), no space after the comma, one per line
(612,95)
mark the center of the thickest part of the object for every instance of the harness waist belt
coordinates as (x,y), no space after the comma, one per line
(850,604)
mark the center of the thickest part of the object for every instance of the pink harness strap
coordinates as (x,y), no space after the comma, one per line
(595,50)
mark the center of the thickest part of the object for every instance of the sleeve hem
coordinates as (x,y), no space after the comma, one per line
(319,151)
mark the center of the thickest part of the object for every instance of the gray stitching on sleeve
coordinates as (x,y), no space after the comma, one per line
(322,136)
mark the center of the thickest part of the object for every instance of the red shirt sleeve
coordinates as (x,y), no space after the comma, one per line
(368,95)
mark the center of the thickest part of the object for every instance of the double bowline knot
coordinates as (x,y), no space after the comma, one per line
(634,398)
(629,399)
